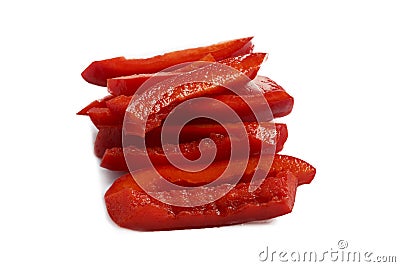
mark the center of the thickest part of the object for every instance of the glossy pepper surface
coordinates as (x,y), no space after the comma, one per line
(302,170)
(268,137)
(130,207)
(128,85)
(99,71)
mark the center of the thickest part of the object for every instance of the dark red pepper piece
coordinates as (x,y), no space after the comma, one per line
(128,85)
(304,171)
(107,137)
(130,207)
(103,117)
(99,71)
(153,105)
(301,169)
(257,134)
(101,103)
(280,102)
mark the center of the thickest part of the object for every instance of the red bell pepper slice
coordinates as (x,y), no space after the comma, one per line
(189,133)
(103,117)
(280,102)
(258,135)
(302,170)
(216,170)
(130,207)
(114,160)
(195,130)
(99,71)
(107,137)
(128,85)
(118,105)
(153,105)
(107,112)
(101,103)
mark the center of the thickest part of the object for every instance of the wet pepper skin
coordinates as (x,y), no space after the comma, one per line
(110,112)
(154,105)
(99,71)
(128,85)
(101,103)
(130,207)
(302,170)
(107,137)
(257,135)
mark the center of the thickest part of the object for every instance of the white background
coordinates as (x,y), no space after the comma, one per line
(339,59)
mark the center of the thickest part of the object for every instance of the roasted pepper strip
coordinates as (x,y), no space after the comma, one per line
(103,117)
(153,105)
(257,135)
(302,170)
(107,137)
(210,174)
(99,71)
(128,85)
(194,132)
(106,112)
(280,102)
(101,103)
(130,207)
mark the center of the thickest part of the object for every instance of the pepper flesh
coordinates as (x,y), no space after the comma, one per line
(245,106)
(268,137)
(101,103)
(106,138)
(103,117)
(130,207)
(99,71)
(128,85)
(302,170)
(280,103)
(259,132)
(110,111)
(153,105)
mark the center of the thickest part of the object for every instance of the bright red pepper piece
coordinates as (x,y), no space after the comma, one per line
(280,102)
(107,137)
(128,85)
(101,103)
(195,130)
(213,172)
(304,171)
(118,105)
(155,105)
(130,207)
(103,117)
(99,71)
(114,160)
(111,136)
(301,169)
(257,135)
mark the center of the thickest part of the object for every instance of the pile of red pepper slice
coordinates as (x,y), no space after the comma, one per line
(128,204)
